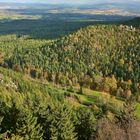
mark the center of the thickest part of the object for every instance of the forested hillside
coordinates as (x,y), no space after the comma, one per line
(103,52)
(134,22)
(84,86)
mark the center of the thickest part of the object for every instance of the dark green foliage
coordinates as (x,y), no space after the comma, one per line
(104,50)
(48,29)
(85,125)
(38,115)
(134,22)
(1,118)
(19,121)
(103,57)
(62,127)
(36,122)
(27,126)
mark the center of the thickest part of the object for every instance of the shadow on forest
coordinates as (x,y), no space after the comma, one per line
(52,26)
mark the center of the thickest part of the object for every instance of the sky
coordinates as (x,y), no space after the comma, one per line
(69,1)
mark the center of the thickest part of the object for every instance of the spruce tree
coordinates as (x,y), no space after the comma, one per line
(62,127)
(85,124)
(28,127)
(1,118)
(15,137)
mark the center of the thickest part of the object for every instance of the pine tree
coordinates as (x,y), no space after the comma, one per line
(1,118)
(28,127)
(15,137)
(19,121)
(62,127)
(85,125)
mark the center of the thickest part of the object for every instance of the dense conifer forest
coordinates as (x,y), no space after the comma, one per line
(82,86)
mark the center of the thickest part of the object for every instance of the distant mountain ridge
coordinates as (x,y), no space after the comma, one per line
(127,8)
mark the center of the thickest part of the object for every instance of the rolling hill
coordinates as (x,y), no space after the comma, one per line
(134,22)
(99,50)
(82,86)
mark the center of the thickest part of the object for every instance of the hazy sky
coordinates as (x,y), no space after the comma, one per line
(69,1)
